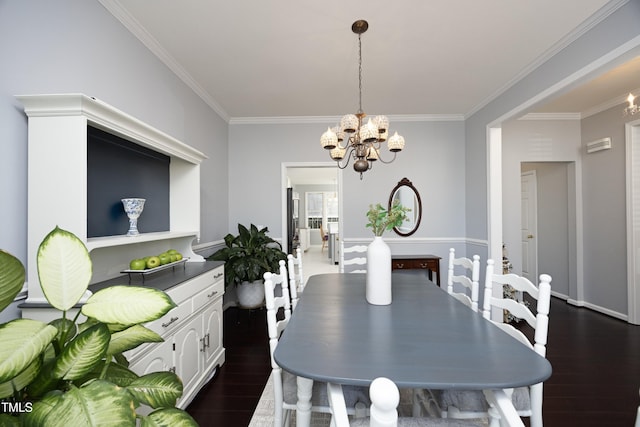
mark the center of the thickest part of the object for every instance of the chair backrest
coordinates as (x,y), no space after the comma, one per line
(470,295)
(358,260)
(539,321)
(541,293)
(295,269)
(385,398)
(274,303)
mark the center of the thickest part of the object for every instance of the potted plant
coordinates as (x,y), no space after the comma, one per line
(247,256)
(378,289)
(69,373)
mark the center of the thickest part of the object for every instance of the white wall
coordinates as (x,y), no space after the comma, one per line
(77,46)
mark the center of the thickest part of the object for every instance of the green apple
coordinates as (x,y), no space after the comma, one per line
(171,251)
(178,256)
(164,258)
(173,257)
(137,264)
(153,262)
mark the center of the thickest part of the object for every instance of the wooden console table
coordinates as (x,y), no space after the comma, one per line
(431,263)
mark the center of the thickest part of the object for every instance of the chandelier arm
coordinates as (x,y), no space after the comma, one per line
(348,156)
(386,162)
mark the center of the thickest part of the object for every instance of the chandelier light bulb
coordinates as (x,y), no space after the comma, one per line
(396,143)
(329,140)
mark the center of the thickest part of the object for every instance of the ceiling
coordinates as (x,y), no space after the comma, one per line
(286,58)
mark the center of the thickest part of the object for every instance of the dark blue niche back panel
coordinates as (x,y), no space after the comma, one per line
(118,169)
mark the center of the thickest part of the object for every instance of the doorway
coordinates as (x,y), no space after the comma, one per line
(306,177)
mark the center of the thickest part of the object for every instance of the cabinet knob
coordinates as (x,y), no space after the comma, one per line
(214,293)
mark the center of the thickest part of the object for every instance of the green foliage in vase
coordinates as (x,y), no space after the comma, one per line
(72,373)
(381,220)
(248,255)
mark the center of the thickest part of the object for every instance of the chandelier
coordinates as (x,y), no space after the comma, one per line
(363,140)
(632,108)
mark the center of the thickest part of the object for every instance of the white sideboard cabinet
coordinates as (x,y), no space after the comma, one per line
(192,334)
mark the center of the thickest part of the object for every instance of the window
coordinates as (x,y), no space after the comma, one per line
(322,207)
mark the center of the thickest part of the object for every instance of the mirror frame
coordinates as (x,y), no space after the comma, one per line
(404,182)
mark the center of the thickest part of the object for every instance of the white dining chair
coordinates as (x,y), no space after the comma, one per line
(295,277)
(385,398)
(357,260)
(296,272)
(468,280)
(527,400)
(285,383)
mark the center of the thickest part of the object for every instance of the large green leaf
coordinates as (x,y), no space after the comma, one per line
(100,403)
(40,410)
(82,353)
(21,341)
(7,420)
(127,305)
(131,338)
(157,389)
(64,268)
(168,417)
(11,278)
(22,380)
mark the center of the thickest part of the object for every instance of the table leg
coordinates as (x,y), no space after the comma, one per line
(303,407)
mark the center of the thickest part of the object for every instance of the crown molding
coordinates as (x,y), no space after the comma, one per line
(332,120)
(551,116)
(133,25)
(585,26)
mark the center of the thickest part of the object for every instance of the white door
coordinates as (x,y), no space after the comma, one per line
(529,227)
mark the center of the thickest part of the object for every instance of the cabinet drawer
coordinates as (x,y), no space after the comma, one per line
(170,320)
(184,291)
(208,295)
(218,274)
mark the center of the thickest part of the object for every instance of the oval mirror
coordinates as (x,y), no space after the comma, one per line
(407,195)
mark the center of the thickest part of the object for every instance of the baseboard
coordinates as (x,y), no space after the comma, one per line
(599,309)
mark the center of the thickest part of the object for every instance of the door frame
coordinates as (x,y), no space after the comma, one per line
(533,274)
(632,160)
(283,191)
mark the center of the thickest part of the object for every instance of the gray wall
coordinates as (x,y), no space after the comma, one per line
(433,159)
(77,46)
(605,244)
(601,41)
(554,247)
(547,146)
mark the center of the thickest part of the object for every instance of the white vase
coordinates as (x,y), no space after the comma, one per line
(250,294)
(378,290)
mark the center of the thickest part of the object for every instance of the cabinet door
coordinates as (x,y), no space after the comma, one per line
(158,358)
(188,352)
(212,318)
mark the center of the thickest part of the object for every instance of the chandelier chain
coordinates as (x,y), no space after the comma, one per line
(360,73)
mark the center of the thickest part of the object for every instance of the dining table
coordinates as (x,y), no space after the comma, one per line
(424,339)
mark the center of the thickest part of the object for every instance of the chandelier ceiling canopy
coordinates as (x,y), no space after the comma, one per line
(355,139)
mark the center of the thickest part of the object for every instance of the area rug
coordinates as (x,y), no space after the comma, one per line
(263,415)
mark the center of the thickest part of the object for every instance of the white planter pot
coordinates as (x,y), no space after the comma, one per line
(250,294)
(378,289)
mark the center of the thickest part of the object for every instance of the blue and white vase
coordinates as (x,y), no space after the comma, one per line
(133,208)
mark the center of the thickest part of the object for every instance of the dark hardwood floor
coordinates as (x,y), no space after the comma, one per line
(232,395)
(595,381)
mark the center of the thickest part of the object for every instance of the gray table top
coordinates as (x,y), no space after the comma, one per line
(424,339)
